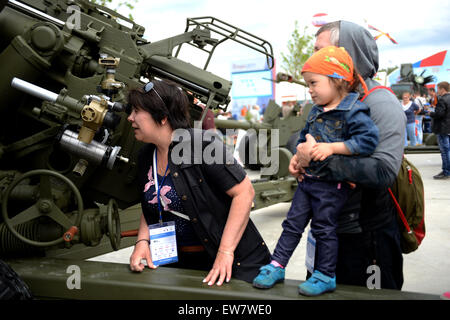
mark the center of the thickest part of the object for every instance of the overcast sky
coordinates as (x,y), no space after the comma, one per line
(421,27)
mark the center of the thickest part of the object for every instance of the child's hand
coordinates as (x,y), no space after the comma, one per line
(321,151)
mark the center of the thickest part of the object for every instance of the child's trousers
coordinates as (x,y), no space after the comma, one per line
(321,202)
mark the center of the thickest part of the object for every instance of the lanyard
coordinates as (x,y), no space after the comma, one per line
(158,187)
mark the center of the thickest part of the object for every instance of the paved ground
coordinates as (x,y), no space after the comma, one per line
(425,270)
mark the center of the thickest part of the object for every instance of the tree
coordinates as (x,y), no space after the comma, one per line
(388,70)
(108,3)
(300,48)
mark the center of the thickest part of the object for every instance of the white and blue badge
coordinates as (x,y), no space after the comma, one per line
(163,243)
(163,240)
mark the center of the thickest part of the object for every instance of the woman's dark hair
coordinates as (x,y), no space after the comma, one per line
(344,87)
(165,99)
(406,92)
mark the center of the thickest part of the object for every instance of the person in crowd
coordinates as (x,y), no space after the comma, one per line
(263,109)
(287,109)
(341,125)
(426,118)
(410,109)
(230,136)
(209,202)
(244,111)
(441,127)
(368,233)
(433,97)
(254,115)
(420,102)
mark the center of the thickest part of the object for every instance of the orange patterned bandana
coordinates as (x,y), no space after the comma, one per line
(331,61)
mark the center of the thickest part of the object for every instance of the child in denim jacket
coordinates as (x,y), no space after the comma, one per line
(341,125)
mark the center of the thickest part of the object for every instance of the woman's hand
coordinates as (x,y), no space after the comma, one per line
(221,269)
(242,195)
(141,252)
(141,249)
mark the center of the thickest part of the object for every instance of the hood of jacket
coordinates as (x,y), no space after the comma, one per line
(361,46)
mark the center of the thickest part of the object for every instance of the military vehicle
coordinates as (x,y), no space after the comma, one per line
(287,121)
(409,82)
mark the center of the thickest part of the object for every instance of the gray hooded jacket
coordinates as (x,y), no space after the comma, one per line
(377,172)
(385,110)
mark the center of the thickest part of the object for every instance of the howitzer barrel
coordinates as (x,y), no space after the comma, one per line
(50,96)
(95,152)
(34,90)
(34,12)
(245,125)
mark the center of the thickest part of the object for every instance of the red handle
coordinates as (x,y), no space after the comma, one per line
(129,233)
(68,235)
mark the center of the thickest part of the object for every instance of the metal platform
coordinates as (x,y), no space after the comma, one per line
(52,279)
(422,149)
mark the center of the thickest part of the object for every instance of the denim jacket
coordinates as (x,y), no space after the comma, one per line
(349,122)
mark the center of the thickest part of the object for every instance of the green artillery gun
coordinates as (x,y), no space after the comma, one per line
(67,153)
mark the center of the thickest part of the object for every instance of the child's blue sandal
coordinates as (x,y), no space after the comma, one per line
(268,276)
(317,284)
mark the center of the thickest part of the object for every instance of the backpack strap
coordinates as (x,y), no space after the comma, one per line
(376,88)
(400,212)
